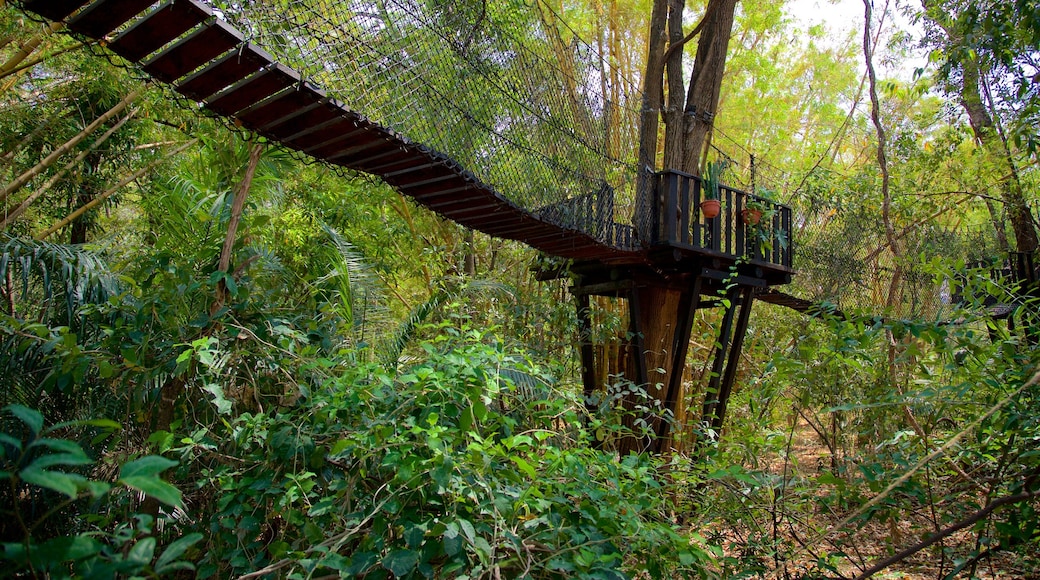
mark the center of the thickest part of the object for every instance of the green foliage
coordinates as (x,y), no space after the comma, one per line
(445,470)
(43,477)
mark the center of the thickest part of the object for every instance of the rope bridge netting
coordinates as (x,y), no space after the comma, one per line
(504,89)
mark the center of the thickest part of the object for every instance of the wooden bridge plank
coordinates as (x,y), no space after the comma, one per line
(287,104)
(367,151)
(381,154)
(403,164)
(195,50)
(436,193)
(470,208)
(345,147)
(448,198)
(104,16)
(159,28)
(223,73)
(252,90)
(409,184)
(333,138)
(56,10)
(319,118)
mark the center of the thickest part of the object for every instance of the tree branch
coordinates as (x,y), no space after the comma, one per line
(110,192)
(24,178)
(949,530)
(693,34)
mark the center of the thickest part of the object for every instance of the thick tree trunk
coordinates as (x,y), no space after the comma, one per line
(653,96)
(673,116)
(706,80)
(985,131)
(654,312)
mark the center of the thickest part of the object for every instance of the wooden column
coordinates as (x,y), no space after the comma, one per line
(727,356)
(661,321)
(588,362)
(688,302)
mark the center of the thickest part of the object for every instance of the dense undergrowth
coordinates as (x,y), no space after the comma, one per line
(291,457)
(248,443)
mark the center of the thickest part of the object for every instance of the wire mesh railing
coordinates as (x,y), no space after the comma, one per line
(529,109)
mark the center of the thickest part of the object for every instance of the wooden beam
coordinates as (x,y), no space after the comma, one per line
(159,28)
(688,303)
(711,395)
(105,16)
(726,387)
(193,51)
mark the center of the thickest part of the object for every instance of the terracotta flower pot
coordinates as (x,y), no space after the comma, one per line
(710,208)
(750,216)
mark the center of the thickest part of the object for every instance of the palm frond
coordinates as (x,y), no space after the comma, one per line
(395,344)
(52,280)
(358,291)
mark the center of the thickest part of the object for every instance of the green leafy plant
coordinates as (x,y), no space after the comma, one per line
(40,466)
(453,467)
(713,179)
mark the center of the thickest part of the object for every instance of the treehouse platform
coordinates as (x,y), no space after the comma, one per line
(691,259)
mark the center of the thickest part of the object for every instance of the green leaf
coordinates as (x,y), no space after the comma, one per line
(401,562)
(175,551)
(360,562)
(52,459)
(105,369)
(65,483)
(64,549)
(146,466)
(32,418)
(62,445)
(467,529)
(339,447)
(414,534)
(219,401)
(97,488)
(6,439)
(525,467)
(155,487)
(142,551)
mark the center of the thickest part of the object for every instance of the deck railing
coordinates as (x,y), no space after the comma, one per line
(679,222)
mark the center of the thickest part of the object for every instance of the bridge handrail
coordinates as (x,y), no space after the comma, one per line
(680,222)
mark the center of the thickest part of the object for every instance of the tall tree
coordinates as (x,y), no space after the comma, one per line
(979,45)
(687,122)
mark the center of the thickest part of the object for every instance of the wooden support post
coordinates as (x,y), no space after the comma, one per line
(688,303)
(588,368)
(711,395)
(730,376)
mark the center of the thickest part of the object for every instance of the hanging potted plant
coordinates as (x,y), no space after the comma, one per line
(710,205)
(758,216)
(758,206)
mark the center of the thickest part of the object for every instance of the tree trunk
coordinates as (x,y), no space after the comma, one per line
(984,128)
(469,260)
(702,98)
(237,204)
(985,131)
(653,96)
(673,116)
(654,314)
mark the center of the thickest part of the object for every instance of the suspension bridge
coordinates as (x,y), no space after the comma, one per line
(498,118)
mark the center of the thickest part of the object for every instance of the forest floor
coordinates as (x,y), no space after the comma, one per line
(804,524)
